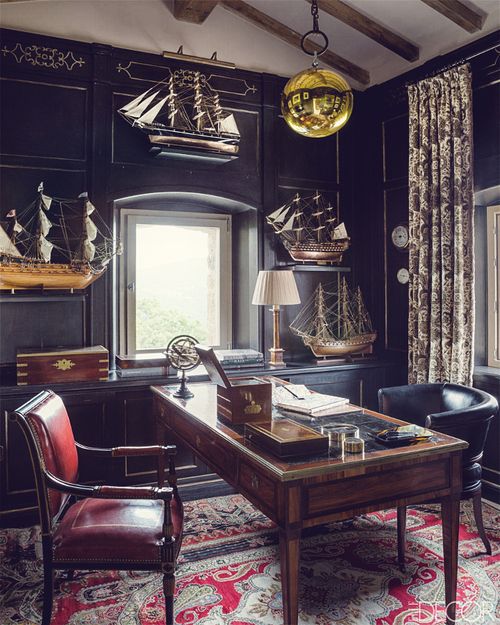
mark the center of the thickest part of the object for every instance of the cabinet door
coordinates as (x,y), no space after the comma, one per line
(17,490)
(359,384)
(135,412)
(89,414)
(88,419)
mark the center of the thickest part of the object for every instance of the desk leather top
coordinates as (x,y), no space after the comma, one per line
(201,410)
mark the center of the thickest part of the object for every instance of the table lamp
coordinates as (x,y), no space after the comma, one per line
(277,288)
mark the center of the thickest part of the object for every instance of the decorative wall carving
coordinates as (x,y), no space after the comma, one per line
(42,56)
(222,84)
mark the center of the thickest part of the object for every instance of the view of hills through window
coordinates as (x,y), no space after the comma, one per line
(177,284)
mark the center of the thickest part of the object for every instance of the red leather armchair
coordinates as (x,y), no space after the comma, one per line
(107,527)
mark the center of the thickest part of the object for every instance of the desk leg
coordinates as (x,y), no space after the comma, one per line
(289,561)
(450,514)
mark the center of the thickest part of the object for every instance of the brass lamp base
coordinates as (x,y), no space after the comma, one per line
(276,357)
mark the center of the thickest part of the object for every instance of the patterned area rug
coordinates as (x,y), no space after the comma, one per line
(229,574)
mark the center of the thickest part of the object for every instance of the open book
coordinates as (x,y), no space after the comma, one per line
(298,398)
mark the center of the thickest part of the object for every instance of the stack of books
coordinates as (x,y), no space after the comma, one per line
(298,398)
(239,358)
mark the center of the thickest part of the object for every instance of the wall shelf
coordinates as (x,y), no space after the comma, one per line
(329,268)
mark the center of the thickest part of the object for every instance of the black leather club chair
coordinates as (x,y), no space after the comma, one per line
(452,409)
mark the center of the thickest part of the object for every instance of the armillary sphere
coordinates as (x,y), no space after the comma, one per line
(181,354)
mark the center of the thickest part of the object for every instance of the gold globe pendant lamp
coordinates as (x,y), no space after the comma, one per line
(316,102)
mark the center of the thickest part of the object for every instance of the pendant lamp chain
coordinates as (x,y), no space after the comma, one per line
(316,102)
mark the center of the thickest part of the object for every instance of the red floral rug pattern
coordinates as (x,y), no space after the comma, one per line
(229,574)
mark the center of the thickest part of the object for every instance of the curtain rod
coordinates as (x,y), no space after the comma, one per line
(445,68)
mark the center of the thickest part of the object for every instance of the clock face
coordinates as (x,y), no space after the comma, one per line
(403,275)
(400,236)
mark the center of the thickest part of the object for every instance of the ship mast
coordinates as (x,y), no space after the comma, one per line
(198,100)
(320,324)
(172,107)
(89,233)
(43,247)
(319,219)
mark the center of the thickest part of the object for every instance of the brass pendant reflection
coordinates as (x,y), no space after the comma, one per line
(316,103)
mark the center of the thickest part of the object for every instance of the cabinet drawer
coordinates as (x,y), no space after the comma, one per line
(257,485)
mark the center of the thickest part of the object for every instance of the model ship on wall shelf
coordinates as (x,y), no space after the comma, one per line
(306,226)
(183,112)
(334,322)
(54,244)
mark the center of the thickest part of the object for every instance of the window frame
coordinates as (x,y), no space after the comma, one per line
(129,219)
(493,284)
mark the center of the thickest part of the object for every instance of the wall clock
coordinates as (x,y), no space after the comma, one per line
(403,275)
(400,237)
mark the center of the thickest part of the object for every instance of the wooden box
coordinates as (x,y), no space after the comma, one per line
(62,365)
(239,400)
(245,400)
(285,438)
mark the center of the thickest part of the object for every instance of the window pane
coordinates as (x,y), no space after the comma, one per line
(177,284)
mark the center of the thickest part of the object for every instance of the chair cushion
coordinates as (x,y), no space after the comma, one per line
(121,531)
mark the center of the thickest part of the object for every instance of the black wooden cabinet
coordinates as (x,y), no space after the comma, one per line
(120,412)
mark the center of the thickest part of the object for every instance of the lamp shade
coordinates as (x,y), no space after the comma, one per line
(275,288)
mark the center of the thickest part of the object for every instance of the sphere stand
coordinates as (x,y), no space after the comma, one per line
(183,392)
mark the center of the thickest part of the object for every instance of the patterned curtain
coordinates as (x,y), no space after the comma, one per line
(441,289)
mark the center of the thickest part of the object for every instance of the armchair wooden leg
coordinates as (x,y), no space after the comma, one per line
(168,590)
(478,515)
(401,536)
(48,581)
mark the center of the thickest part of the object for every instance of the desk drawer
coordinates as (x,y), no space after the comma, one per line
(216,453)
(378,487)
(257,484)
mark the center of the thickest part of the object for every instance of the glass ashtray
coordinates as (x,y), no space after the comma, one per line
(338,432)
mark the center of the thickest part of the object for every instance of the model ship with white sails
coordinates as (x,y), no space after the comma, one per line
(335,323)
(53,227)
(308,230)
(184,111)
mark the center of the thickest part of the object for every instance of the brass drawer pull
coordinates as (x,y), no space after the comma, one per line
(254,480)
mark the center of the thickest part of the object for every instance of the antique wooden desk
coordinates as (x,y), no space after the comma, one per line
(303,493)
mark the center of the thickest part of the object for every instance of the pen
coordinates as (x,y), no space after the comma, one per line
(290,391)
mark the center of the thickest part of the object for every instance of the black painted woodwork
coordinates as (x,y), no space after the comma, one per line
(76,141)
(119,412)
(381,202)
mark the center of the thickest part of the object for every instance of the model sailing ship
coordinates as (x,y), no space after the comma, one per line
(307,229)
(27,245)
(335,323)
(184,111)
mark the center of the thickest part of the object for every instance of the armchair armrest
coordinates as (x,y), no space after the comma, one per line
(120,452)
(454,419)
(108,492)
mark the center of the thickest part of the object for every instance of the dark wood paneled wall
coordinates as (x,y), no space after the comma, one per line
(381,182)
(381,202)
(59,124)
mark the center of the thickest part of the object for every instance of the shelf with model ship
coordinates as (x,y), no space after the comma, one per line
(54,244)
(183,118)
(314,268)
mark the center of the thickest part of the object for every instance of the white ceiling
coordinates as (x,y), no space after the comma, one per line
(148,25)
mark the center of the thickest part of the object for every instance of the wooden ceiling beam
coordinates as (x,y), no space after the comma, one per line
(379,33)
(457,12)
(292,37)
(194,11)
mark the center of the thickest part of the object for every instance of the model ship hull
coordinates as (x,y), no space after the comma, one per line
(322,253)
(206,144)
(362,344)
(14,276)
